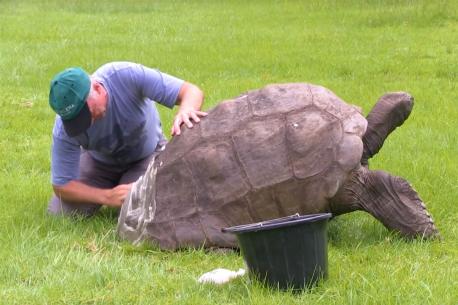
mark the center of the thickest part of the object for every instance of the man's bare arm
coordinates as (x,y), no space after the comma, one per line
(76,191)
(190,99)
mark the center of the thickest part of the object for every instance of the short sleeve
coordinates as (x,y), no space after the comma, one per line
(160,87)
(65,157)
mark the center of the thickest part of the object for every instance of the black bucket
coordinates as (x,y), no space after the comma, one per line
(289,252)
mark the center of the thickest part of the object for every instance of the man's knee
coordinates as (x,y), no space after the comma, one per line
(59,207)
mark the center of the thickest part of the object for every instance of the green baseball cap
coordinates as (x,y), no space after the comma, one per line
(68,92)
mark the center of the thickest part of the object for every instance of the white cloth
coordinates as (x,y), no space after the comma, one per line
(220,276)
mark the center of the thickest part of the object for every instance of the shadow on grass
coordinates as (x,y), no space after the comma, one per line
(358,228)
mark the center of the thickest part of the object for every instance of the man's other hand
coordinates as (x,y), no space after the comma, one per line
(117,195)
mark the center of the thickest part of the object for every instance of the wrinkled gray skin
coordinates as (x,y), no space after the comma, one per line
(273,152)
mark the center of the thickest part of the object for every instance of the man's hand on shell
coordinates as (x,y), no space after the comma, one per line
(186,116)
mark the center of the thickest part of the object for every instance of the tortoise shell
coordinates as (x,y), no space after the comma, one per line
(272,152)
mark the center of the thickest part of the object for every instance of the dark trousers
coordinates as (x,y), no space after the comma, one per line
(100,175)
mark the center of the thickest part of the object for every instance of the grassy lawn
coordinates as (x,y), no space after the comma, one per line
(358,49)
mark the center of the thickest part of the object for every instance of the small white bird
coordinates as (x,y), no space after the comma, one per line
(220,276)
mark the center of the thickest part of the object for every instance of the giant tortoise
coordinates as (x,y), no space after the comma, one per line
(269,153)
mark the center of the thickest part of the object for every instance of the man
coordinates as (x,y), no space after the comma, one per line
(107,130)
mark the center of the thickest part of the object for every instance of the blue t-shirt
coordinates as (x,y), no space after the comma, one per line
(131,127)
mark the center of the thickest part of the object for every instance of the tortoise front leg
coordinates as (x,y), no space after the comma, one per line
(390,111)
(390,199)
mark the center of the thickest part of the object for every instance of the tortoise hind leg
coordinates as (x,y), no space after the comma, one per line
(390,111)
(390,199)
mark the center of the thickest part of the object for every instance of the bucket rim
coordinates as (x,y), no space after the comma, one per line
(282,222)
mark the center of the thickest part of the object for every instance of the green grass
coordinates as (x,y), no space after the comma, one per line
(358,49)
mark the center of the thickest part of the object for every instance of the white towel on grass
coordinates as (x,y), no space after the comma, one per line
(220,276)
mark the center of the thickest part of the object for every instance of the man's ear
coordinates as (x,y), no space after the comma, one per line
(96,86)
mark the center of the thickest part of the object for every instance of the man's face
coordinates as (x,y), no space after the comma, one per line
(97,101)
